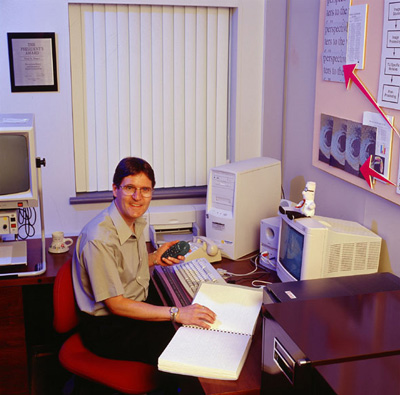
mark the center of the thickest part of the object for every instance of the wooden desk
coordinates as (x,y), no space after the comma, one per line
(249,381)
(15,307)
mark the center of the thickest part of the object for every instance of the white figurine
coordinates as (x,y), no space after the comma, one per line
(305,208)
(307,205)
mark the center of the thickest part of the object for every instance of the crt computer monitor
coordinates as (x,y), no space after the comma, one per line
(18,174)
(320,247)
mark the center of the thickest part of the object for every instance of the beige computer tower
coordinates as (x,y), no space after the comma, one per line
(239,195)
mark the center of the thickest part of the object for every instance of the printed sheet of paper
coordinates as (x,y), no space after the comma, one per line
(356,38)
(335,40)
(383,147)
(389,81)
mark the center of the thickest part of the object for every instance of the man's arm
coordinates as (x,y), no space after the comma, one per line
(190,315)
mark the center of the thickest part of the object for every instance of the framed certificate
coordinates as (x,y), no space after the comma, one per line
(33,65)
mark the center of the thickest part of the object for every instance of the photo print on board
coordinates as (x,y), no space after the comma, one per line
(346,145)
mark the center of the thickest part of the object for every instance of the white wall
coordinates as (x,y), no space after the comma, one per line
(334,197)
(53,111)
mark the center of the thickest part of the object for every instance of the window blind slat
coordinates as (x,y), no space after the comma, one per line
(78,96)
(135,87)
(112,147)
(157,89)
(211,85)
(222,86)
(179,95)
(90,100)
(146,87)
(123,85)
(100,86)
(201,97)
(190,96)
(168,95)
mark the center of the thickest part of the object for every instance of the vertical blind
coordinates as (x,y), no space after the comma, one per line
(149,81)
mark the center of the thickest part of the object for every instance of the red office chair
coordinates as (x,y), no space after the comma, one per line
(124,376)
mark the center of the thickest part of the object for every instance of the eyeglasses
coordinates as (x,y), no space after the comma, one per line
(130,190)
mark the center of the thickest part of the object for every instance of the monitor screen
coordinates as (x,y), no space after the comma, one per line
(291,250)
(14,162)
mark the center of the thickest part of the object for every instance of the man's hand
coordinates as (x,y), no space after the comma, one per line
(196,314)
(169,260)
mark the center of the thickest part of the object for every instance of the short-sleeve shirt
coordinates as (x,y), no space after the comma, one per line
(110,260)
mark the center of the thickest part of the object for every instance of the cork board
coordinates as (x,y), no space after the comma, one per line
(335,100)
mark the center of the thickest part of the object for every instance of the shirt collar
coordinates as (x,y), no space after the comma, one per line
(123,230)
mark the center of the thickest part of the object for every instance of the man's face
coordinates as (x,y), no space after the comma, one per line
(133,206)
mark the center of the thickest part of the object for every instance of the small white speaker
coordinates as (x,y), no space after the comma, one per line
(269,235)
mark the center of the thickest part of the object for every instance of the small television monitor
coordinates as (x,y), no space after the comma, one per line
(18,174)
(320,247)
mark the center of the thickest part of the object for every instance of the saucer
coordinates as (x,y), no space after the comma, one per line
(58,250)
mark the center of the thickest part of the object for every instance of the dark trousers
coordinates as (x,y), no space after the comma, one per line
(125,338)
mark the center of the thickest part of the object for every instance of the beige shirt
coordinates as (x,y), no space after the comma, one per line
(109,260)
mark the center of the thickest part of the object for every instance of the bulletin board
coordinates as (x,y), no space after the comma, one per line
(335,100)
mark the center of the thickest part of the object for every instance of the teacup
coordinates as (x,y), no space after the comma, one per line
(59,243)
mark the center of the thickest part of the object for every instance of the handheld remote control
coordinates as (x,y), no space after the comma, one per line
(180,248)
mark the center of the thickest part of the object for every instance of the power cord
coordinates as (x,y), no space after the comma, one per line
(255,283)
(27,220)
(266,261)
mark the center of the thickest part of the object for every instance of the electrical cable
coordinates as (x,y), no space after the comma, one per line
(266,262)
(254,259)
(27,220)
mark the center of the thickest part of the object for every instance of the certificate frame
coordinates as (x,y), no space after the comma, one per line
(33,62)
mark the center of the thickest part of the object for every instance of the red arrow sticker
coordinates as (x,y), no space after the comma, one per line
(369,173)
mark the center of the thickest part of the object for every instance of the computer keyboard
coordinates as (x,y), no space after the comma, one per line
(191,274)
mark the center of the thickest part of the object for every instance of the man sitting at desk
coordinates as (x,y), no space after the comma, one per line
(119,318)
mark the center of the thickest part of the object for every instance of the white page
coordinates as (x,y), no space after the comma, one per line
(384,135)
(204,353)
(237,307)
(389,85)
(335,40)
(357,35)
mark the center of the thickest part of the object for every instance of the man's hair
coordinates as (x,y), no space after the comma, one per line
(130,167)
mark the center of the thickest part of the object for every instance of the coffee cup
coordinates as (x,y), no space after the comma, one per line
(59,243)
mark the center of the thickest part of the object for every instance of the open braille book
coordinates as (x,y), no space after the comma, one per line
(218,352)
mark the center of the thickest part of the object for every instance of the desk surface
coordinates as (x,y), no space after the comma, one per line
(34,255)
(249,381)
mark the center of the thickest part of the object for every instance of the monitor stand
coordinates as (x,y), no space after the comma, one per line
(13,253)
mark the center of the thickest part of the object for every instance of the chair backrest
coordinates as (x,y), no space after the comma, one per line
(65,310)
